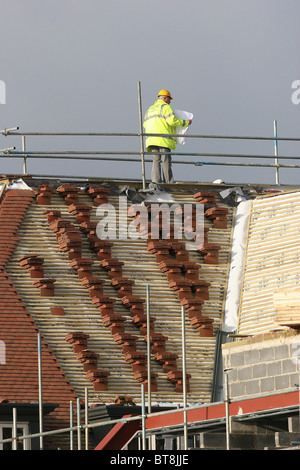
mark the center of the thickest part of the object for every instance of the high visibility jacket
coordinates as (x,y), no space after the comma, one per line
(160,119)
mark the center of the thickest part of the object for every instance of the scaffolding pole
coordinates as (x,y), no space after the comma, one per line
(141,136)
(71,427)
(227,414)
(148,348)
(251,415)
(25,155)
(40,390)
(78,425)
(276,153)
(11,132)
(81,155)
(149,355)
(86,409)
(143,417)
(185,435)
(14,430)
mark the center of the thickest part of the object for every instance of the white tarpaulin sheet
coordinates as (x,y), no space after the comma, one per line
(236,267)
(159,196)
(182,130)
(18,184)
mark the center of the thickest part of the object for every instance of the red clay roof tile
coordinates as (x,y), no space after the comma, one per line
(18,331)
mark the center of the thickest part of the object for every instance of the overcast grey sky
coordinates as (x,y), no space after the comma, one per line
(74,66)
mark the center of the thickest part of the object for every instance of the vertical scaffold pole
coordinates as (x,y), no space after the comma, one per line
(24,159)
(276,153)
(86,409)
(14,430)
(71,426)
(78,425)
(40,389)
(143,417)
(149,355)
(185,436)
(148,350)
(141,137)
(226,400)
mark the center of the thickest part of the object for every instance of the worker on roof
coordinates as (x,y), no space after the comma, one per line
(160,119)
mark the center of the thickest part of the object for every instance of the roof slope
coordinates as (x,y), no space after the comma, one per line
(272,259)
(72,311)
(19,333)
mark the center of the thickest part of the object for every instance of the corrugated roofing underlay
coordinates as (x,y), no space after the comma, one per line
(272,259)
(80,315)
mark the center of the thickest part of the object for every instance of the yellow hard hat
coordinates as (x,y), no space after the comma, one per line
(165,93)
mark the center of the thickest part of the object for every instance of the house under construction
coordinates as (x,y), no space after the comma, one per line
(135,341)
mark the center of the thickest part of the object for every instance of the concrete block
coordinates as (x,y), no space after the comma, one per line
(295,350)
(267,384)
(232,375)
(252,356)
(252,387)
(226,360)
(245,373)
(282,352)
(266,354)
(274,368)
(288,366)
(282,382)
(250,427)
(237,390)
(294,380)
(259,370)
(237,359)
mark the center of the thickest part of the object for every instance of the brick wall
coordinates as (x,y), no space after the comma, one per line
(262,364)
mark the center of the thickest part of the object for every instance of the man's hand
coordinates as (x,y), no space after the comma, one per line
(190,121)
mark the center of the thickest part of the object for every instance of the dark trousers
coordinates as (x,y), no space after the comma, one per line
(161,158)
